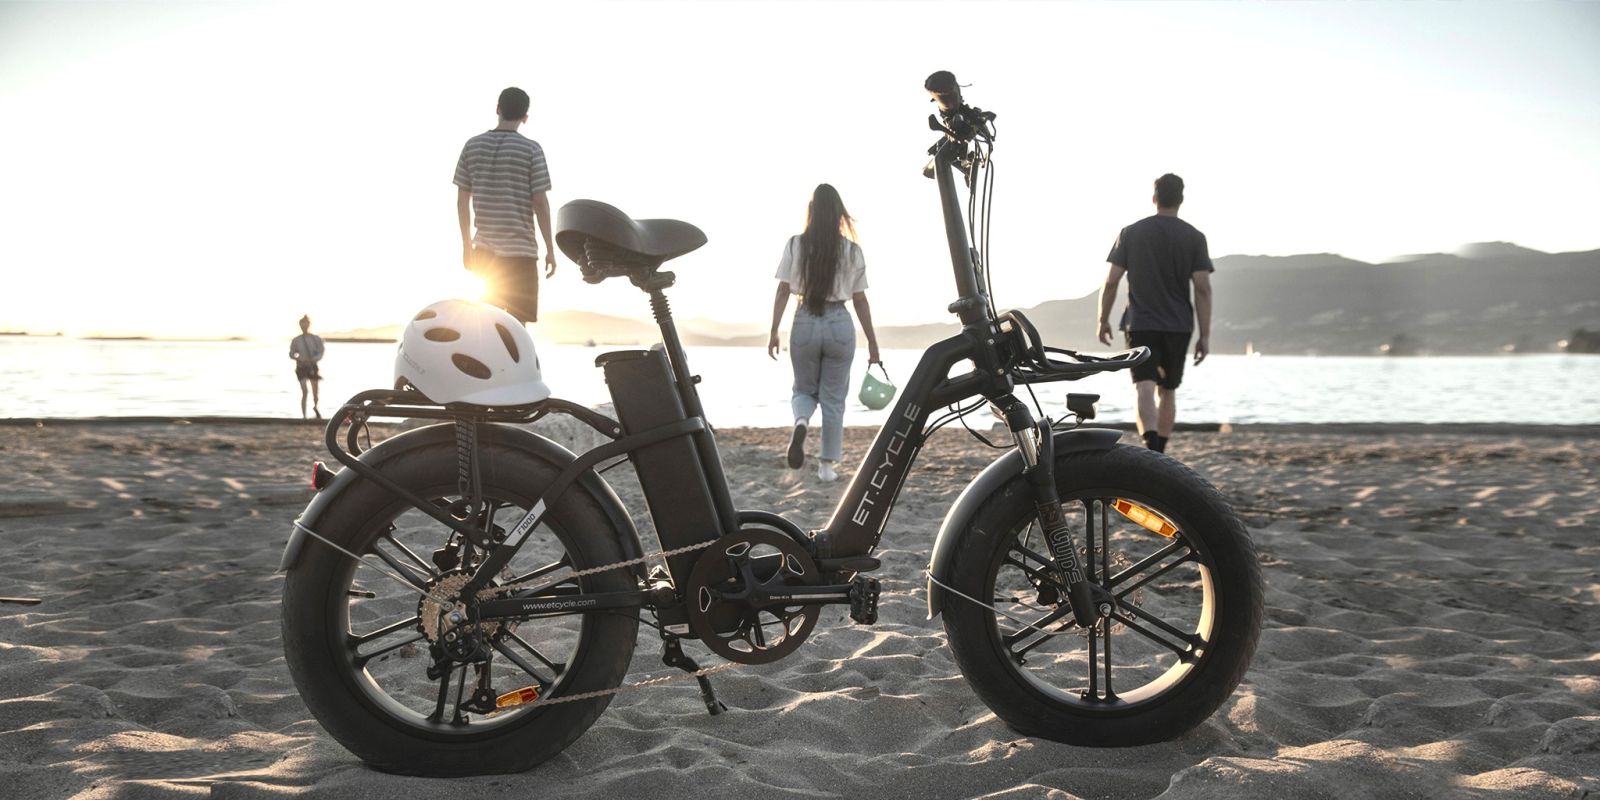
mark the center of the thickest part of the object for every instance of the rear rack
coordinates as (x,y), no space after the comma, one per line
(405,404)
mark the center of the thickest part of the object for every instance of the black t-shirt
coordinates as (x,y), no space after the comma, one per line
(1160,253)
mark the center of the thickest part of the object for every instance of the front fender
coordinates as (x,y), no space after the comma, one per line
(990,480)
(521,439)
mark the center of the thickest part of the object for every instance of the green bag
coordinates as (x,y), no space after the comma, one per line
(876,394)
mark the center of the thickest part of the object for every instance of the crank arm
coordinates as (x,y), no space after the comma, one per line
(860,594)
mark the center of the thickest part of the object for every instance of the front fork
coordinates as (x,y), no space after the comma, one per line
(1036,443)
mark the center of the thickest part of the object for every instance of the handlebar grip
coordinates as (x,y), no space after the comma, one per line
(942,85)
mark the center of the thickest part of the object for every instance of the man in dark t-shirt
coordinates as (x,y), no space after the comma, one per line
(1161,255)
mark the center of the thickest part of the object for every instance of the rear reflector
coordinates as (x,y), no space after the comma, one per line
(321,476)
(517,697)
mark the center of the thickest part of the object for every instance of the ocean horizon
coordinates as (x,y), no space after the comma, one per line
(62,377)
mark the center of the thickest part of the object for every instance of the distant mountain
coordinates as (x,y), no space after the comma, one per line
(1499,251)
(1489,298)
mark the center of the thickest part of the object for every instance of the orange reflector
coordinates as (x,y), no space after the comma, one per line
(517,698)
(1145,518)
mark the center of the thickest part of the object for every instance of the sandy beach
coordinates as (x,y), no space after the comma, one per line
(1433,617)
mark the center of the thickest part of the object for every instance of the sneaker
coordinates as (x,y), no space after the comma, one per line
(825,472)
(797,445)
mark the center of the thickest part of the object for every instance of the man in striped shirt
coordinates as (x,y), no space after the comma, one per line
(501,182)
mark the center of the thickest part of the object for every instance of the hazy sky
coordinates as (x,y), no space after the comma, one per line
(219,169)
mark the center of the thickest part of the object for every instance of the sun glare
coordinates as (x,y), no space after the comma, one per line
(471,286)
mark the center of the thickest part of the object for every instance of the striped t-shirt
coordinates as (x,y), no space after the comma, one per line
(503,170)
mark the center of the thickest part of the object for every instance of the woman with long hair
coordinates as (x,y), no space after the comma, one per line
(824,267)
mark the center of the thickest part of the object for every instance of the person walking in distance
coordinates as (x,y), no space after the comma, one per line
(1162,256)
(825,266)
(306,350)
(501,184)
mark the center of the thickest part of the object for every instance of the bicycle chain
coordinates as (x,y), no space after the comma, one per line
(498,590)
(572,698)
(569,698)
(678,551)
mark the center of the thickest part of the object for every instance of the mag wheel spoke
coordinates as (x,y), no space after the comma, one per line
(1026,639)
(1152,596)
(356,641)
(1184,651)
(513,657)
(395,646)
(362,659)
(363,638)
(558,668)
(1148,562)
(403,568)
(426,567)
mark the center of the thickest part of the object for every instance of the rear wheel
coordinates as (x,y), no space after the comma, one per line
(359,644)
(1186,603)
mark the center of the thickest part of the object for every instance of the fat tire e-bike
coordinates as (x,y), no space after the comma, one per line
(465,597)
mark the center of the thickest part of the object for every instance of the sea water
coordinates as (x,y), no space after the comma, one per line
(63,377)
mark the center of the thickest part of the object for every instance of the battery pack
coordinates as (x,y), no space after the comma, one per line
(671,474)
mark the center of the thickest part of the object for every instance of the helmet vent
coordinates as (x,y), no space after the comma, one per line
(471,366)
(441,334)
(427,313)
(511,344)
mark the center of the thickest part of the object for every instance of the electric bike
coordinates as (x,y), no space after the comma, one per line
(465,597)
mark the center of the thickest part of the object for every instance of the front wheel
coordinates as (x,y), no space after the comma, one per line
(1176,570)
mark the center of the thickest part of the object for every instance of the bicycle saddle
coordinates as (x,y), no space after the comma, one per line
(607,243)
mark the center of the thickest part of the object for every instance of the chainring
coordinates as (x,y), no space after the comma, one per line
(732,627)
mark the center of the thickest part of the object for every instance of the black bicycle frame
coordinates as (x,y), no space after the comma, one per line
(858,521)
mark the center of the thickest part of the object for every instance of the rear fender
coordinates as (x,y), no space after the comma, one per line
(527,441)
(1004,469)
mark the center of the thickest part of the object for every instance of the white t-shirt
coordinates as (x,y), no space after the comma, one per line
(851,277)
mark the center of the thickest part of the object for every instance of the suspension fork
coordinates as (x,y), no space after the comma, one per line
(1036,443)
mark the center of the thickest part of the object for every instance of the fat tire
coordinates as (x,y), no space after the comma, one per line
(374,736)
(1238,595)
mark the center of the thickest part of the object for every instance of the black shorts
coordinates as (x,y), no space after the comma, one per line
(511,282)
(306,371)
(1168,352)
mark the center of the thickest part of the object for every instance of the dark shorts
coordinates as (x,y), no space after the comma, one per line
(306,371)
(512,283)
(1168,352)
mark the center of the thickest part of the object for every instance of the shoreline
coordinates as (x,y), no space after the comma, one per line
(1582,431)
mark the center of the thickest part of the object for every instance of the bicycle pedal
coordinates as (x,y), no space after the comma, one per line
(864,600)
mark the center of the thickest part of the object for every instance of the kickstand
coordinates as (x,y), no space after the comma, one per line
(673,656)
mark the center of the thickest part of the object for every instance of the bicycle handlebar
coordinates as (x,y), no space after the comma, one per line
(957,120)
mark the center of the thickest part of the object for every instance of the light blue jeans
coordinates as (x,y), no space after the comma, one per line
(821,349)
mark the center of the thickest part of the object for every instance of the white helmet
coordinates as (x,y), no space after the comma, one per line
(460,351)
